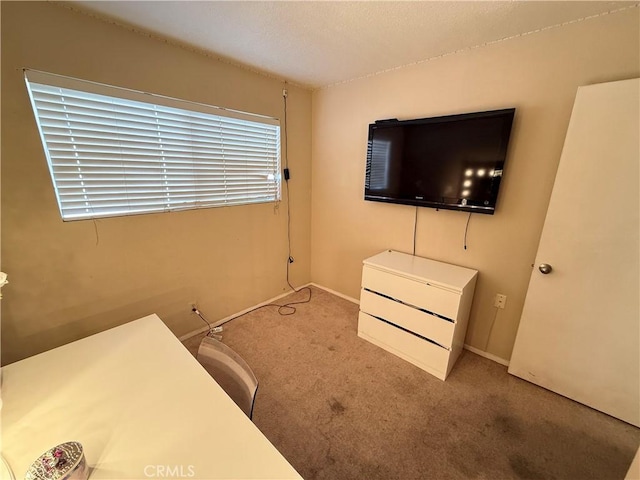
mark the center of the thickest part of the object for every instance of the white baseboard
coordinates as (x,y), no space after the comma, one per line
(193,333)
(337,294)
(203,329)
(484,354)
(237,314)
(271,300)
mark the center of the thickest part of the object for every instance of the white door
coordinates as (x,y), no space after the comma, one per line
(579,334)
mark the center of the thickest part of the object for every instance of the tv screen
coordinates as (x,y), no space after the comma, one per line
(453,162)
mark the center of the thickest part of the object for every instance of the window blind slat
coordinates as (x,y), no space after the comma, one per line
(147,115)
(63,137)
(125,97)
(113,155)
(120,124)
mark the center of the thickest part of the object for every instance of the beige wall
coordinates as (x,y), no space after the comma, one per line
(69,280)
(538,74)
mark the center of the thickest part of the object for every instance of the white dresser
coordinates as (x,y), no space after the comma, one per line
(416,308)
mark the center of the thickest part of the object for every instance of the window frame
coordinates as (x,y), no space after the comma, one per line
(272,184)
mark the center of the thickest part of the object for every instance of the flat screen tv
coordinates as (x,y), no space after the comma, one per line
(453,162)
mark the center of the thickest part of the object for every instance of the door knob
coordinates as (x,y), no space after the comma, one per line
(545,268)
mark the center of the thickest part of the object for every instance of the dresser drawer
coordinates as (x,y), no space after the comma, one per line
(423,354)
(421,295)
(420,322)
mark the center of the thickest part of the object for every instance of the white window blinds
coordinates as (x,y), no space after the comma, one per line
(113,151)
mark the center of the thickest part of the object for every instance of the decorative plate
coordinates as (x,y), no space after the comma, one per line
(63,462)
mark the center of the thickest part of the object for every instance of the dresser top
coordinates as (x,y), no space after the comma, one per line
(422,269)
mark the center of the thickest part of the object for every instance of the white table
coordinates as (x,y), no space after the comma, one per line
(141,406)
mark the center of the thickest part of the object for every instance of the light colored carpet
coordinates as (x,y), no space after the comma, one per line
(338,407)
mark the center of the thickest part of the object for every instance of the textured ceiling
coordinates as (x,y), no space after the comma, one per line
(319,43)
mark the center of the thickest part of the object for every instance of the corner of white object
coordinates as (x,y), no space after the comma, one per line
(3,281)
(634,469)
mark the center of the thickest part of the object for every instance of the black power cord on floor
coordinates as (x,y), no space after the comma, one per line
(283,309)
(287,308)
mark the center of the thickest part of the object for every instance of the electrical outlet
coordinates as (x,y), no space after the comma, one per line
(500,301)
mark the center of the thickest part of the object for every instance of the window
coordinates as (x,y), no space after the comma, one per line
(113,151)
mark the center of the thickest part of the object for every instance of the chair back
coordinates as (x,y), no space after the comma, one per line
(230,371)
